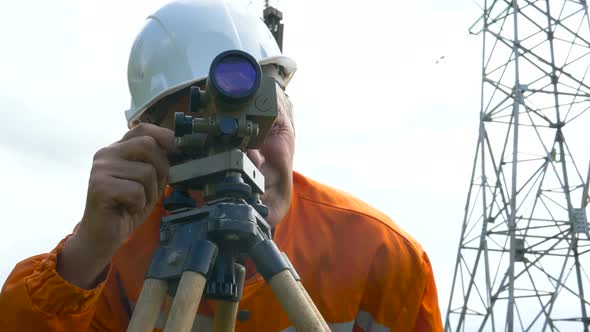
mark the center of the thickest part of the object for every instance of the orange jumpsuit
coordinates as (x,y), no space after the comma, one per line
(363,272)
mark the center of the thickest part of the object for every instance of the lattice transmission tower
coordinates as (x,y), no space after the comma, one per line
(523,262)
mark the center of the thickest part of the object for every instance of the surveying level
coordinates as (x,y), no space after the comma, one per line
(237,109)
(201,247)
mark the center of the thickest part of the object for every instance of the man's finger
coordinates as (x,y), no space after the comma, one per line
(127,193)
(163,136)
(144,149)
(141,172)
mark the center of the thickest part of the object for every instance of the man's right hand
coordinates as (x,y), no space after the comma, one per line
(126,181)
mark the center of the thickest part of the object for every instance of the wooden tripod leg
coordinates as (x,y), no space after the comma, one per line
(148,306)
(295,303)
(186,302)
(313,306)
(225,316)
(227,311)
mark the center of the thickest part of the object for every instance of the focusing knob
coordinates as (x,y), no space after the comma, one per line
(228,126)
(183,124)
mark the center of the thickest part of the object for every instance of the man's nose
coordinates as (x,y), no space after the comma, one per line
(256,157)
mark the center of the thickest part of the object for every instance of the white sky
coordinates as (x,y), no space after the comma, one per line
(375,114)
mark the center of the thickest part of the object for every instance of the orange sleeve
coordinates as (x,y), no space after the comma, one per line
(36,298)
(400,292)
(429,318)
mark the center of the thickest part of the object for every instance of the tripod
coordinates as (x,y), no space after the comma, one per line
(199,248)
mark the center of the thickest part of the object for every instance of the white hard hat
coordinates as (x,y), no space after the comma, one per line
(178,43)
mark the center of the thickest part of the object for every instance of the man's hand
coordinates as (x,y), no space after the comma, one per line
(126,181)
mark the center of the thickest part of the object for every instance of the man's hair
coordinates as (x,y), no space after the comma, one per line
(285,104)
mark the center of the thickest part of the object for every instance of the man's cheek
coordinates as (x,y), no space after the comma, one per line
(280,151)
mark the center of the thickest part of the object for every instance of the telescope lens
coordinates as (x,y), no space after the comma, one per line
(235,76)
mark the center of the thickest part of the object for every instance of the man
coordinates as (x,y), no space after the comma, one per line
(362,271)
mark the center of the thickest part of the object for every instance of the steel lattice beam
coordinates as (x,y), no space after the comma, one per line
(523,262)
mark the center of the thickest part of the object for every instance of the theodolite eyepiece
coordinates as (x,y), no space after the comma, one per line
(235,75)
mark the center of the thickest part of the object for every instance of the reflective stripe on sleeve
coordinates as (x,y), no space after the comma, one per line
(363,320)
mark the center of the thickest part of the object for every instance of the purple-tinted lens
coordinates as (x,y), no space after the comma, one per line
(235,75)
